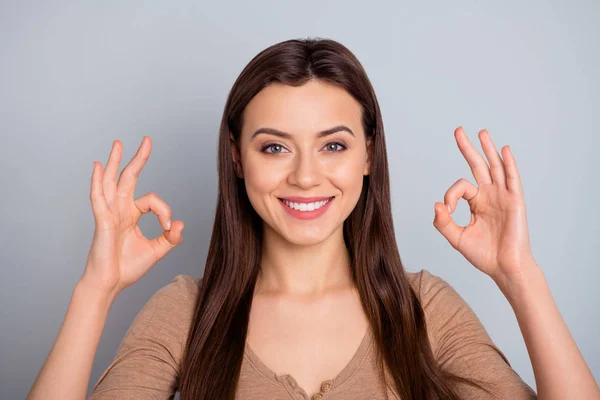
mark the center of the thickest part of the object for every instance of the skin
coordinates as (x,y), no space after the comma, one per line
(305,306)
(303,256)
(305,276)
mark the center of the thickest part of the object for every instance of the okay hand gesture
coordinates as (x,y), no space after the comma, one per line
(120,254)
(496,241)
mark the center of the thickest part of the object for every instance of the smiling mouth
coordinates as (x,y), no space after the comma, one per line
(307,206)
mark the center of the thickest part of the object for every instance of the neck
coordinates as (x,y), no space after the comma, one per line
(287,268)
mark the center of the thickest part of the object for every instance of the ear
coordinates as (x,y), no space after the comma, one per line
(369,156)
(235,155)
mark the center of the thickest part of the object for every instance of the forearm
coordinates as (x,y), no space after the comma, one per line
(67,369)
(559,368)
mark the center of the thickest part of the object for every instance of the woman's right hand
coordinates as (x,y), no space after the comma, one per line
(120,254)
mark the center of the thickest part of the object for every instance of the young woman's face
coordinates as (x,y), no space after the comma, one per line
(303,156)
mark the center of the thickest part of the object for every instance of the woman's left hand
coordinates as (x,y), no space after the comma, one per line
(496,241)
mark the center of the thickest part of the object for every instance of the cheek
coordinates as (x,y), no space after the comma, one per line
(261,177)
(347,174)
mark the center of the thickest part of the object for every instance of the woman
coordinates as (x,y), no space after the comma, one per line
(304,294)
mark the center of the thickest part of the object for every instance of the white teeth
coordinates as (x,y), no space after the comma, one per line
(306,206)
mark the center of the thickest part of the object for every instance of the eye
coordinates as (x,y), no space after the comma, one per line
(333,147)
(276,148)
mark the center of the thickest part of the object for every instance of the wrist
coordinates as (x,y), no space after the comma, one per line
(95,294)
(517,285)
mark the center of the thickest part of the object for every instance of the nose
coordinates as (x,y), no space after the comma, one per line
(306,171)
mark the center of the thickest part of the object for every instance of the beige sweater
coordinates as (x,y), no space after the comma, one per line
(147,362)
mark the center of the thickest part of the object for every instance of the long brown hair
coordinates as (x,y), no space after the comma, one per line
(215,347)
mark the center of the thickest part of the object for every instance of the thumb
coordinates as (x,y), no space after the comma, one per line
(168,240)
(444,223)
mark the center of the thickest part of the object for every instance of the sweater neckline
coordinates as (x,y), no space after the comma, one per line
(290,382)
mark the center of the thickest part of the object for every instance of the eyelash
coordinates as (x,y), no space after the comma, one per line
(342,145)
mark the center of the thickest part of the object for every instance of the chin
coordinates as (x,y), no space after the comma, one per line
(306,236)
(305,240)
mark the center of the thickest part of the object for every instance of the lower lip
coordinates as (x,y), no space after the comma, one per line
(304,215)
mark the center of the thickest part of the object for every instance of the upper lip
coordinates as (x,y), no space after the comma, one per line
(299,199)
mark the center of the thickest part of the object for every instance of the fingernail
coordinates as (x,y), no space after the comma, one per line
(449,208)
(168,224)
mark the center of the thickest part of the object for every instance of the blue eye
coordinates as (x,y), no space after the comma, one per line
(274,148)
(277,148)
(331,147)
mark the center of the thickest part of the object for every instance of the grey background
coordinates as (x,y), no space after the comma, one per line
(74,77)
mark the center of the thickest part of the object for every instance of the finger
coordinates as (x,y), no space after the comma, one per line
(152,202)
(168,240)
(99,206)
(513,178)
(479,167)
(110,173)
(462,188)
(444,223)
(131,172)
(496,163)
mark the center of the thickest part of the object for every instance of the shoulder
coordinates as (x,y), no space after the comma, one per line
(448,316)
(169,310)
(182,288)
(423,281)
(435,294)
(147,362)
(460,342)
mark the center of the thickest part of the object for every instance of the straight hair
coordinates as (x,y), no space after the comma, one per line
(216,342)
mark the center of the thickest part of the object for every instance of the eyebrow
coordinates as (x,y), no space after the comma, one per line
(287,135)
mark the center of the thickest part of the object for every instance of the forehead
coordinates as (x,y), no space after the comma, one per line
(305,109)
